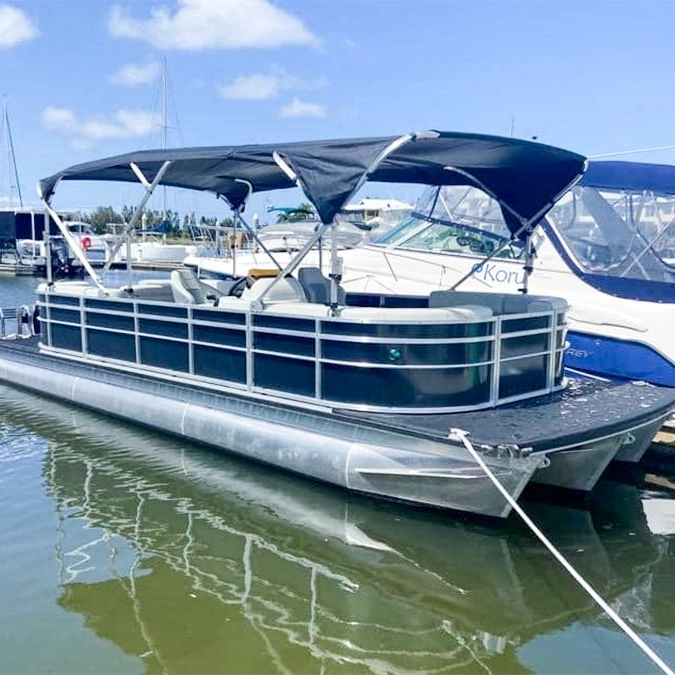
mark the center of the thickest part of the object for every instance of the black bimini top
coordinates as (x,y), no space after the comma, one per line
(526,176)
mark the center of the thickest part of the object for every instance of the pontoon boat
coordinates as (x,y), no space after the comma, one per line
(394,397)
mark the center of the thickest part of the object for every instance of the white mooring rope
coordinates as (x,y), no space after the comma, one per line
(461,435)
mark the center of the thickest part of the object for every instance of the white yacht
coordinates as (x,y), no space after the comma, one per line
(607,246)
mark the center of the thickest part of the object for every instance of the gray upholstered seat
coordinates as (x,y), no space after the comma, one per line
(317,287)
(500,303)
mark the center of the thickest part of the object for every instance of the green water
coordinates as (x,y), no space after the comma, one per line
(125,551)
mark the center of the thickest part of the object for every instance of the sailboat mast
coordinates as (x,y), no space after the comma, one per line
(10,156)
(164,127)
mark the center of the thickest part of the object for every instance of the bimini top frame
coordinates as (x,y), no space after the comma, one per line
(329,172)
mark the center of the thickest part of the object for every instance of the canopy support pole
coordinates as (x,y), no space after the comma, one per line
(335,271)
(149,189)
(524,227)
(46,237)
(79,252)
(336,263)
(529,263)
(236,213)
(528,267)
(318,233)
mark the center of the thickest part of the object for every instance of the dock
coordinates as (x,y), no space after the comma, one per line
(150,265)
(16,270)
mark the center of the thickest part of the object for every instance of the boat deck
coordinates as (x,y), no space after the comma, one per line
(544,423)
(541,424)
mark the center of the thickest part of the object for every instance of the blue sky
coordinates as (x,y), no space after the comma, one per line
(82,77)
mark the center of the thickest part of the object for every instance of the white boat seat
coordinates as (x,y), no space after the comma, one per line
(317,287)
(268,292)
(287,289)
(186,288)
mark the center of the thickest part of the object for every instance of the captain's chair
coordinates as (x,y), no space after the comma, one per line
(317,286)
(186,288)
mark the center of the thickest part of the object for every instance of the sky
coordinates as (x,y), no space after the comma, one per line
(82,79)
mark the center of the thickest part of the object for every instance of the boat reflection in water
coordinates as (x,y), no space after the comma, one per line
(195,562)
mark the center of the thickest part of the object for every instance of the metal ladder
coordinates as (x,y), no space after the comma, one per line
(21,319)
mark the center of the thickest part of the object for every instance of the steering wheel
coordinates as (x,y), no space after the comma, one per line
(237,287)
(511,252)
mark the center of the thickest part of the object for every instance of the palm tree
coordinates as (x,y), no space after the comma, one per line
(293,214)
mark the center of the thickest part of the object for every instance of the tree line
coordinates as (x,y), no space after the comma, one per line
(169,222)
(172,224)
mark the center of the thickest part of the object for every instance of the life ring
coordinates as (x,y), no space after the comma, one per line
(85,243)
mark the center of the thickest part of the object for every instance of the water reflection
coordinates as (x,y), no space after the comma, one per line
(195,562)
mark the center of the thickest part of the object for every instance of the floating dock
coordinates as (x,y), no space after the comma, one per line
(150,265)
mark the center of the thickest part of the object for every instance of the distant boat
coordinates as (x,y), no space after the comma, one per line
(15,221)
(377,215)
(158,251)
(24,250)
(355,224)
(94,245)
(22,228)
(150,246)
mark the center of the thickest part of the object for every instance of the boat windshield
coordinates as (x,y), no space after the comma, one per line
(77,227)
(457,221)
(618,233)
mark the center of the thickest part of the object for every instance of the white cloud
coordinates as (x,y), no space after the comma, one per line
(298,108)
(84,133)
(258,87)
(132,74)
(15,26)
(213,24)
(265,86)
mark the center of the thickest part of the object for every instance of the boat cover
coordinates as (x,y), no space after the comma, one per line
(526,176)
(659,178)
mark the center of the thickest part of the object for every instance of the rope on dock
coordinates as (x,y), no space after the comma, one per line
(462,436)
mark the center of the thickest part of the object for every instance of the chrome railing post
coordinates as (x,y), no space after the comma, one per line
(83,327)
(496,361)
(317,358)
(553,350)
(191,354)
(137,331)
(249,350)
(48,317)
